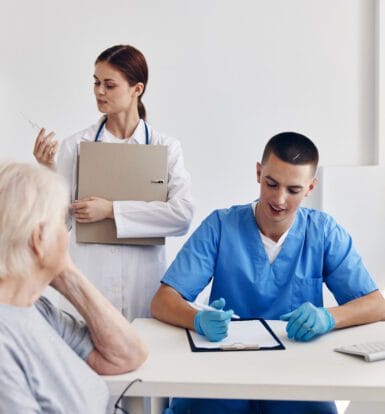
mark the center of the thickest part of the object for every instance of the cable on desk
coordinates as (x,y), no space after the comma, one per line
(117,407)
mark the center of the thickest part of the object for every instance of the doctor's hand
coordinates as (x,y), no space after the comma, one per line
(45,149)
(213,324)
(307,322)
(91,209)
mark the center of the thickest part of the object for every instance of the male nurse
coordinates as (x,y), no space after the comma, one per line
(269,259)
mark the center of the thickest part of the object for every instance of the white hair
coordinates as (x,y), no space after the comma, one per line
(30,196)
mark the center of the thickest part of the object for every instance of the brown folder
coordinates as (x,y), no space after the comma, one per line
(120,172)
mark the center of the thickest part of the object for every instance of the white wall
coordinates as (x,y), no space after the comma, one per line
(224,77)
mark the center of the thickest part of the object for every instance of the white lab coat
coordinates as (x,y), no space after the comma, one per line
(129,275)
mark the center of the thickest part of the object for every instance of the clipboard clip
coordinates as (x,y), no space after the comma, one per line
(238,346)
(157,181)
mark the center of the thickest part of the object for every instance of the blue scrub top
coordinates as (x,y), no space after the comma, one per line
(228,247)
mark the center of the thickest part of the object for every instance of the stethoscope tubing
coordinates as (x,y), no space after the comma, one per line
(104,122)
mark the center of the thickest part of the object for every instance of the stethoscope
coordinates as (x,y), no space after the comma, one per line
(103,123)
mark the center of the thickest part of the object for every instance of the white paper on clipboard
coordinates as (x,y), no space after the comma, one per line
(241,334)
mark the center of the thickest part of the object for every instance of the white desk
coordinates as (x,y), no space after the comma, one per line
(304,371)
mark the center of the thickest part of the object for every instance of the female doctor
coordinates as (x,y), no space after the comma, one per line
(128,275)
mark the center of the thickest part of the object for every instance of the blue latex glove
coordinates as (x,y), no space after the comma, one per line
(213,324)
(308,321)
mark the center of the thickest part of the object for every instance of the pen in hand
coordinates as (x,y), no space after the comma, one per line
(202,306)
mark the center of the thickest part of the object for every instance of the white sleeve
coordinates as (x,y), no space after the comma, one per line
(67,167)
(158,218)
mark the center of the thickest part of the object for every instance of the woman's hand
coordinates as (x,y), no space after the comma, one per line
(69,270)
(45,149)
(91,209)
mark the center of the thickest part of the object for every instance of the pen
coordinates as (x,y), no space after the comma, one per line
(239,347)
(202,306)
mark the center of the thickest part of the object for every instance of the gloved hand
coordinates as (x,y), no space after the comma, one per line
(308,321)
(213,324)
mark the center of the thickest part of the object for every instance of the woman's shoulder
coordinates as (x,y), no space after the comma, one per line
(160,138)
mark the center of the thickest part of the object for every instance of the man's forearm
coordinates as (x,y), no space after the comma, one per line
(169,306)
(367,309)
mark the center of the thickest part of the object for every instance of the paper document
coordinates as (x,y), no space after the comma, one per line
(242,335)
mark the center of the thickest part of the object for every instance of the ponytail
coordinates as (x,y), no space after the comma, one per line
(141,109)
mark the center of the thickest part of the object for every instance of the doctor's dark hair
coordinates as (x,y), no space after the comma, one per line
(292,148)
(132,64)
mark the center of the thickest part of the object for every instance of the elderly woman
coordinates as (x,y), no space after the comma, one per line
(48,360)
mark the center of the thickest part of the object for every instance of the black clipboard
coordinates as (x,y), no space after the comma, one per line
(278,347)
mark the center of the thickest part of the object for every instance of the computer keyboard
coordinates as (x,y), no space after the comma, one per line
(371,351)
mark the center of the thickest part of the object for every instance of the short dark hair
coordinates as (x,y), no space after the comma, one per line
(292,148)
